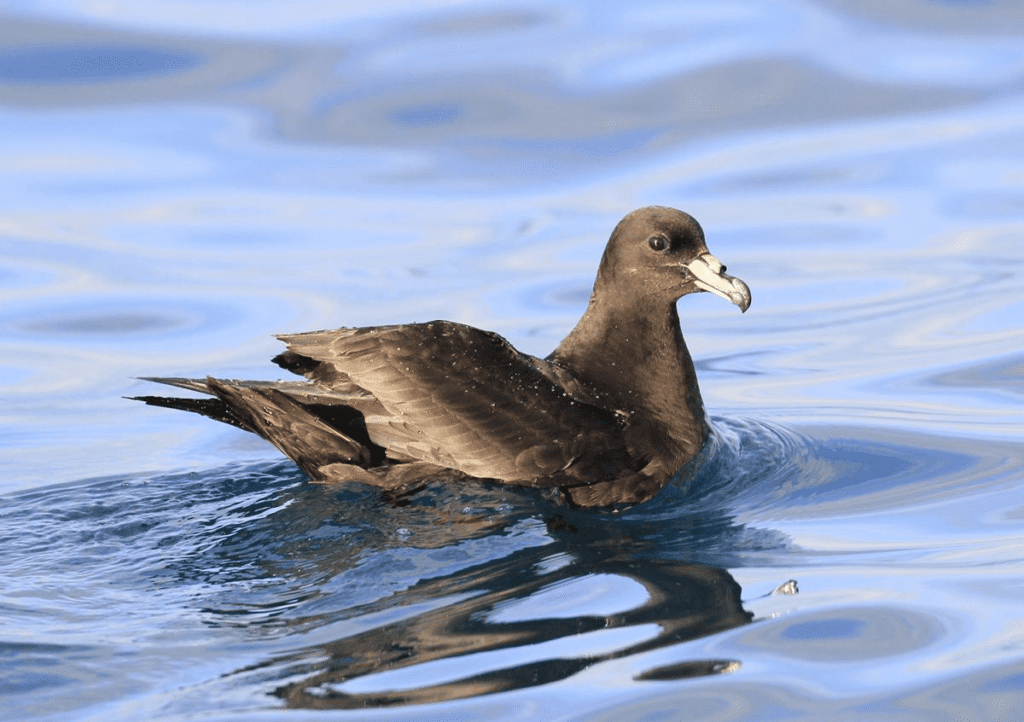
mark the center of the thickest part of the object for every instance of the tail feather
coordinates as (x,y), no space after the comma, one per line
(291,427)
(198,385)
(215,409)
(313,435)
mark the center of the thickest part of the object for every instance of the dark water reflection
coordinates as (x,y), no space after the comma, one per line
(442,654)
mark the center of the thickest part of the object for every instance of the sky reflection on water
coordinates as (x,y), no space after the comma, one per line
(179,185)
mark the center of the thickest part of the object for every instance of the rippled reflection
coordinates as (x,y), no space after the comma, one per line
(444,654)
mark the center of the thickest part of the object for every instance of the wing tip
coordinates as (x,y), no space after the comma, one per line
(200,386)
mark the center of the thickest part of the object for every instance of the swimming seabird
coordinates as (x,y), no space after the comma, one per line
(607,418)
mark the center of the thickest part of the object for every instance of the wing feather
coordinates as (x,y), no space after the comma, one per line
(461,397)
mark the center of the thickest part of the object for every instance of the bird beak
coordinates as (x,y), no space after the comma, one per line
(708,273)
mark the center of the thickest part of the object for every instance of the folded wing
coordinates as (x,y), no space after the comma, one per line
(463,398)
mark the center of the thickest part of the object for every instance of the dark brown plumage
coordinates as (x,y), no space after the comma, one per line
(607,418)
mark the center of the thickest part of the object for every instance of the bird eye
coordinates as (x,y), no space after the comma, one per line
(657,243)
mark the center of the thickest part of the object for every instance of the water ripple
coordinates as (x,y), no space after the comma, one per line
(90,63)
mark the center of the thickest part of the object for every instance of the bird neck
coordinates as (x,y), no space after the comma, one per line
(637,354)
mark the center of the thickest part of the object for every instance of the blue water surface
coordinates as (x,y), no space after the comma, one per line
(182,180)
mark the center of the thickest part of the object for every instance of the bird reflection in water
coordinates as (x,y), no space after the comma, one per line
(492,637)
